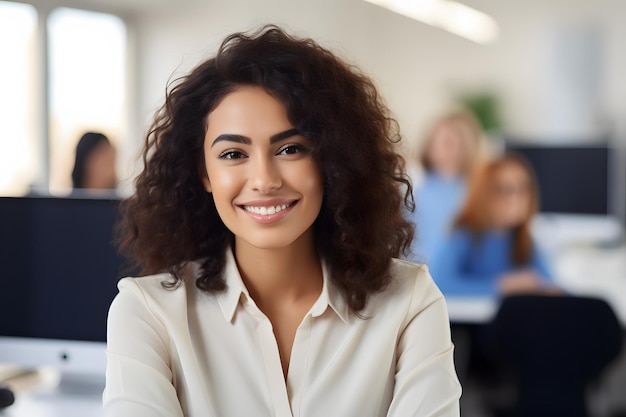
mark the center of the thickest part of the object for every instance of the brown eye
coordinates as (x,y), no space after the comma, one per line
(292,149)
(230,155)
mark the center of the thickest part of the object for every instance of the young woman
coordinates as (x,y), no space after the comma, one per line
(491,251)
(266,221)
(447,159)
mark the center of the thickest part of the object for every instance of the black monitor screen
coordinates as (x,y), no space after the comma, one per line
(59,267)
(571,179)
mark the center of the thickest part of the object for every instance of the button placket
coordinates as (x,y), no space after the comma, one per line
(298,364)
(271,359)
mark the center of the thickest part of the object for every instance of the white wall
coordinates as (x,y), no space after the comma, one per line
(414,65)
(175,42)
(534,66)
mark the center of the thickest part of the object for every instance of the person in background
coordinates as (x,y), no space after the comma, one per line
(447,158)
(491,251)
(267,221)
(94,165)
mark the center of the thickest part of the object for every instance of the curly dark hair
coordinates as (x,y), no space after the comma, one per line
(171,220)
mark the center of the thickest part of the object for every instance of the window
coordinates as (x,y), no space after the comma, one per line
(19,134)
(87,87)
(42,116)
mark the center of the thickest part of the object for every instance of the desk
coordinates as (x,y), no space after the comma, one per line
(471,310)
(55,405)
(595,272)
(579,270)
(74,396)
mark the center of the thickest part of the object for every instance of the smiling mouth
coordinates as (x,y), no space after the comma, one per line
(268,210)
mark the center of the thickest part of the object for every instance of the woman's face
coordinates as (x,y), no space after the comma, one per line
(266,183)
(450,149)
(510,196)
(100,168)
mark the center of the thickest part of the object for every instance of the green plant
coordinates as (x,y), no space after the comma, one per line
(485,107)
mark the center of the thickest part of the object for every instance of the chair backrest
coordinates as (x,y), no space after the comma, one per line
(556,345)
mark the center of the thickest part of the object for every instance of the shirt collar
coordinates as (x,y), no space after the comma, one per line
(235,288)
(229,299)
(330,296)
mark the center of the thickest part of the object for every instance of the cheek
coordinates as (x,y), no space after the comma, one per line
(515,209)
(223,183)
(313,182)
(309,179)
(437,148)
(525,206)
(95,165)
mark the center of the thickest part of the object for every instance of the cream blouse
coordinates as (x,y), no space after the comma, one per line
(182,352)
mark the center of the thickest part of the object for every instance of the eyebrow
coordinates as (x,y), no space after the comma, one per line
(230,137)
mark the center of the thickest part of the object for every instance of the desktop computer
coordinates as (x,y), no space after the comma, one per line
(576,192)
(59,274)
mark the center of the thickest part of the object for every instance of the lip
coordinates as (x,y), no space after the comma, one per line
(268,218)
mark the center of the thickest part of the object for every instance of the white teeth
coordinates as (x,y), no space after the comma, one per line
(264,211)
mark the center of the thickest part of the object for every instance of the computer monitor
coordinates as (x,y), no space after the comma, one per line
(59,274)
(577,185)
(572,179)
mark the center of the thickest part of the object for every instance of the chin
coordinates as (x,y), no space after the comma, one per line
(513,225)
(269,243)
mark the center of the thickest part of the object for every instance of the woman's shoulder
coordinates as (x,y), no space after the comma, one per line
(162,283)
(410,274)
(411,287)
(461,231)
(153,285)
(460,235)
(158,293)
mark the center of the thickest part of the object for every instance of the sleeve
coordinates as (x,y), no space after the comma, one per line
(138,375)
(426,384)
(449,274)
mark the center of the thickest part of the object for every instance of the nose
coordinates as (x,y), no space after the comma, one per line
(264,175)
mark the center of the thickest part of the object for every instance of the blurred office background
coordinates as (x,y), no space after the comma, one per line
(552,68)
(544,77)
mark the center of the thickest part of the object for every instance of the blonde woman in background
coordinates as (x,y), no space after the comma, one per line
(449,154)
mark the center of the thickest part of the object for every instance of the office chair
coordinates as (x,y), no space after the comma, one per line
(554,346)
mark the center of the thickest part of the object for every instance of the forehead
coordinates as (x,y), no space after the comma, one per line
(511,171)
(455,132)
(102,148)
(246,109)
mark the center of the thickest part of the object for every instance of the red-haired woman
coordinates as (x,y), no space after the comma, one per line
(267,221)
(490,250)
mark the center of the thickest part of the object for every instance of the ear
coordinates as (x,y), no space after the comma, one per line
(204,175)
(206,183)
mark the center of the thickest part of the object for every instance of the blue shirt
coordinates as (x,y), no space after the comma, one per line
(470,265)
(437,202)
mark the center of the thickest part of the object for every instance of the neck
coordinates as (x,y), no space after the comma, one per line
(274,274)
